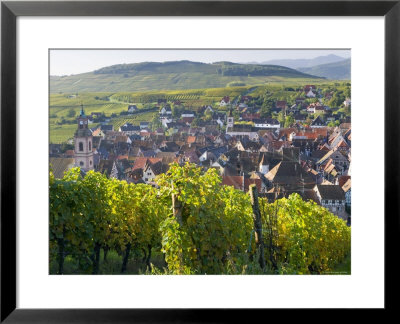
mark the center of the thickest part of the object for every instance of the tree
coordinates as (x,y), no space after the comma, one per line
(289,120)
(71,113)
(155,122)
(266,107)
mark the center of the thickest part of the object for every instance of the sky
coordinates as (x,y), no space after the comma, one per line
(73,61)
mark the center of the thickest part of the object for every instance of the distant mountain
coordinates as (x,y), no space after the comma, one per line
(171,75)
(337,71)
(303,63)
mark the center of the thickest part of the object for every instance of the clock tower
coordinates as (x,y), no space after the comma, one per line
(83,143)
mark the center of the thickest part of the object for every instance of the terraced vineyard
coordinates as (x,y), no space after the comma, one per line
(134,119)
(198,96)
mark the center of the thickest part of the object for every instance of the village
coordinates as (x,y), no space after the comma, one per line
(301,148)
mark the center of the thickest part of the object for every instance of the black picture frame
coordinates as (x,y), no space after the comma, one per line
(10,10)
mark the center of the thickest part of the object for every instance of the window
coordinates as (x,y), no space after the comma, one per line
(146,179)
(90,145)
(80,146)
(81,163)
(90,162)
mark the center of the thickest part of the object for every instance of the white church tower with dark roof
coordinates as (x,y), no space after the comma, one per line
(83,143)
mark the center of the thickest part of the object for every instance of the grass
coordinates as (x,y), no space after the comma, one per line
(343,268)
(112,265)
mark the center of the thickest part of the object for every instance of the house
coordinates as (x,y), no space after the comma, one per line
(129,129)
(290,175)
(317,122)
(106,128)
(132,108)
(337,157)
(310,91)
(347,102)
(347,192)
(109,168)
(248,146)
(151,170)
(144,125)
(242,130)
(267,123)
(208,109)
(332,197)
(187,114)
(224,101)
(315,107)
(299,100)
(212,153)
(166,110)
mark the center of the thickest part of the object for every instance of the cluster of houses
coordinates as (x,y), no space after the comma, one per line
(313,161)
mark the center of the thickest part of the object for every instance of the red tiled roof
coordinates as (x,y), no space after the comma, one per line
(235,181)
(191,139)
(141,162)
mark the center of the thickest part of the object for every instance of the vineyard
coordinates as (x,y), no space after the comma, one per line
(209,96)
(135,119)
(190,224)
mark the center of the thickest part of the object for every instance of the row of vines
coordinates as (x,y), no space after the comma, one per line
(197,225)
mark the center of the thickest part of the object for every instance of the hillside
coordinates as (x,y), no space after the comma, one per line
(303,63)
(172,75)
(337,71)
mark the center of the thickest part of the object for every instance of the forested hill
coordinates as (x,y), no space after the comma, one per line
(172,75)
(336,71)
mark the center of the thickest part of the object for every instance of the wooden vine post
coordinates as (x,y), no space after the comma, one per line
(257,224)
(176,207)
(177,212)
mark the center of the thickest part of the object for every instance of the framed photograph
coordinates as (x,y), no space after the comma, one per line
(163,158)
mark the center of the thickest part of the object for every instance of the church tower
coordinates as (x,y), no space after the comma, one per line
(83,143)
(230,119)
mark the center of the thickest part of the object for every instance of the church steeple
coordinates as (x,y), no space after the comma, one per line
(230,122)
(82,114)
(83,143)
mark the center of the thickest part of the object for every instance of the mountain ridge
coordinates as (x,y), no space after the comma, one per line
(171,75)
(337,71)
(305,63)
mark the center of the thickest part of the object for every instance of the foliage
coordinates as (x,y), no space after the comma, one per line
(310,238)
(200,226)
